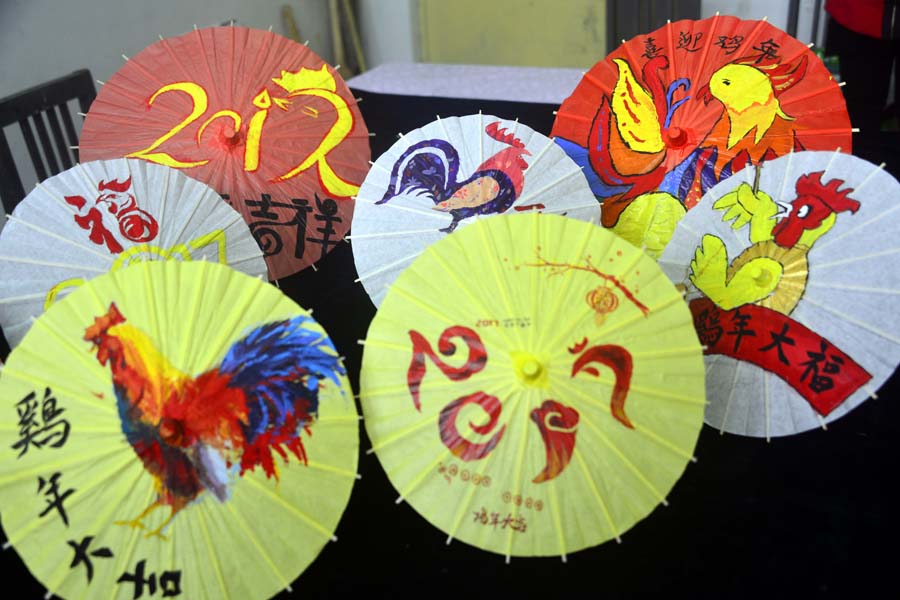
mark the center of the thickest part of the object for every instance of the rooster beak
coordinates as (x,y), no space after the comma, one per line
(784,210)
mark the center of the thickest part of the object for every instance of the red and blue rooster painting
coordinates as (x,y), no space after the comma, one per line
(196,433)
(431,167)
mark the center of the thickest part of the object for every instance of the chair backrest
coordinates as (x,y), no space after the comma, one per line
(42,113)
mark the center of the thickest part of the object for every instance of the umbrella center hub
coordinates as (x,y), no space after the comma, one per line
(529,369)
(676,137)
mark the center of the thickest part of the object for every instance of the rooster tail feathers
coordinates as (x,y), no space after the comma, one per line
(501,135)
(429,166)
(279,366)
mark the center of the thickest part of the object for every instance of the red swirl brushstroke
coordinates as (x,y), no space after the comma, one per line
(475,362)
(449,429)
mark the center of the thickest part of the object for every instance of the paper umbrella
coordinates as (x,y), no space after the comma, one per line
(104,215)
(449,173)
(532,385)
(668,114)
(792,278)
(258,117)
(161,442)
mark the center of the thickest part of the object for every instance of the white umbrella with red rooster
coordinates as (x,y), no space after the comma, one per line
(449,173)
(792,277)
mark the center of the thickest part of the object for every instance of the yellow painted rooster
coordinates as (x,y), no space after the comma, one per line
(773,271)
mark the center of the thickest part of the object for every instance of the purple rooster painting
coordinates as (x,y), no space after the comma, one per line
(431,167)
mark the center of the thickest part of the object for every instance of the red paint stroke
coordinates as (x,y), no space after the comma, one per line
(619,360)
(558,425)
(475,362)
(449,429)
(818,370)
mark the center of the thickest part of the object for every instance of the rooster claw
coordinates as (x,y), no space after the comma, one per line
(133,523)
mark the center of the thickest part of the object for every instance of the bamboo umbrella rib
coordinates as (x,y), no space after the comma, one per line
(881,216)
(62,463)
(857,322)
(66,342)
(52,264)
(267,491)
(853,259)
(23,298)
(283,581)
(71,395)
(557,520)
(630,466)
(519,466)
(589,477)
(365,236)
(462,507)
(65,240)
(646,431)
(211,549)
(387,267)
(848,288)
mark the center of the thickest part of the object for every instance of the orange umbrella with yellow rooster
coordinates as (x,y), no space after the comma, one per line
(160,442)
(669,114)
(793,282)
(260,118)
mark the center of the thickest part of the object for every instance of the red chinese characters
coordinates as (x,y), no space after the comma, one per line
(134,224)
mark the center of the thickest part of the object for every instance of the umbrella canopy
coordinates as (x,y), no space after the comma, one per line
(532,385)
(446,175)
(668,114)
(258,117)
(161,441)
(793,283)
(104,215)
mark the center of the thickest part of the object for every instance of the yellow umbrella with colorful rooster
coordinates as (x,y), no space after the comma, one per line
(792,278)
(160,441)
(532,385)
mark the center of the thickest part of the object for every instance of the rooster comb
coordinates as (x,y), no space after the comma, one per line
(838,201)
(493,130)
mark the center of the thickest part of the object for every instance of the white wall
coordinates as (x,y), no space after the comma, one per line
(389,30)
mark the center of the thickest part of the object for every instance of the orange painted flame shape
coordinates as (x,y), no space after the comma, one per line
(616,358)
(449,429)
(558,425)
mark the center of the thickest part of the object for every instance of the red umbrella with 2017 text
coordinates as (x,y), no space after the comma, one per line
(258,117)
(669,114)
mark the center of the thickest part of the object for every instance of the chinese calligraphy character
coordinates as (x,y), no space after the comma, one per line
(135,224)
(709,330)
(327,212)
(514,523)
(39,432)
(741,330)
(169,581)
(818,382)
(768,50)
(481,516)
(689,42)
(54,498)
(730,43)
(81,555)
(263,231)
(777,340)
(651,50)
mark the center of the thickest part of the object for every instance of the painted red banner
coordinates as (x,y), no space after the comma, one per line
(821,372)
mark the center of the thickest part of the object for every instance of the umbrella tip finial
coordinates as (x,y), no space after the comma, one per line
(399,500)
(334,538)
(765,18)
(125,58)
(618,539)
(449,539)
(507,559)
(159,35)
(270,29)
(306,42)
(564,559)
(195,27)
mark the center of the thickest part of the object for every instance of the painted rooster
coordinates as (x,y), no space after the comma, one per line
(752,126)
(630,136)
(196,433)
(773,271)
(431,167)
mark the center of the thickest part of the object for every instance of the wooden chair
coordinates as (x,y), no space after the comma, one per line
(47,127)
(42,113)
